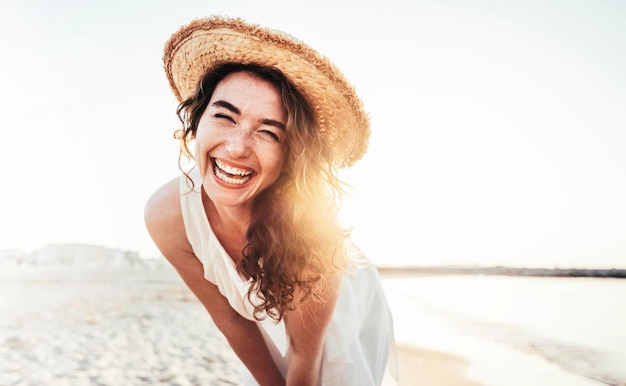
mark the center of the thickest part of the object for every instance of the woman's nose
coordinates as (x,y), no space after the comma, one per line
(238,144)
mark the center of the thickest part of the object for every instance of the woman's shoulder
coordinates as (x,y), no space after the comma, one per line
(161,203)
(164,220)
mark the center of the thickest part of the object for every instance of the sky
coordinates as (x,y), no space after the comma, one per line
(498,127)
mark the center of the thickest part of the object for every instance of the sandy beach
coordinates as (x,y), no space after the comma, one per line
(423,367)
(117,327)
(73,326)
(142,326)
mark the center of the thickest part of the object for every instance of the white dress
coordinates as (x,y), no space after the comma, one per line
(359,345)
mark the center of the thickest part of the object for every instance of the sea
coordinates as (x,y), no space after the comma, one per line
(518,330)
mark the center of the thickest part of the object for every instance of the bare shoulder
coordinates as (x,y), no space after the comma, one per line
(163,206)
(164,220)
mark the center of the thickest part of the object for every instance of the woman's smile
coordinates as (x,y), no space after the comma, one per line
(230,174)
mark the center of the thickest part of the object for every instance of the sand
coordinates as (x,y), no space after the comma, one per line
(76,326)
(424,367)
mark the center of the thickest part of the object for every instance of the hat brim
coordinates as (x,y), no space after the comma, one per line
(203,44)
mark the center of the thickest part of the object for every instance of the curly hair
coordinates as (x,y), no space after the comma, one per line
(295,240)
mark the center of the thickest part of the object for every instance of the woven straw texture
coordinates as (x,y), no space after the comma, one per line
(204,43)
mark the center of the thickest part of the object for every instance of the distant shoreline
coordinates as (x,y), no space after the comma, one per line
(502,271)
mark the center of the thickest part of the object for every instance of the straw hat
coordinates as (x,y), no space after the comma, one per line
(204,43)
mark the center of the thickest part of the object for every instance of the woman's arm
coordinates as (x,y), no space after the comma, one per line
(306,326)
(164,222)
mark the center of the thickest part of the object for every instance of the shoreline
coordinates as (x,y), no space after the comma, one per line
(425,366)
(492,355)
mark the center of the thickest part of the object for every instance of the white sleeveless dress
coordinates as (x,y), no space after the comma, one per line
(359,345)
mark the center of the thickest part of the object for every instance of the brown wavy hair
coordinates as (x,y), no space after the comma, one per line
(294,241)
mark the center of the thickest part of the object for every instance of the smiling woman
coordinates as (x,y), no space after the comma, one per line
(253,227)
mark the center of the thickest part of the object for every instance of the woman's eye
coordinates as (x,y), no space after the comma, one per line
(271,134)
(223,116)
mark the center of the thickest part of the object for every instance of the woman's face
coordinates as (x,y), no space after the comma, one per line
(241,140)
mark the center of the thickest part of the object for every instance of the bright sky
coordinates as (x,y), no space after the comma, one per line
(499,128)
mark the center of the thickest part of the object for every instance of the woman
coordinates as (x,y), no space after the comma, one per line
(253,229)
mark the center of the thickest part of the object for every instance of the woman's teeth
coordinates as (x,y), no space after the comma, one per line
(230,174)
